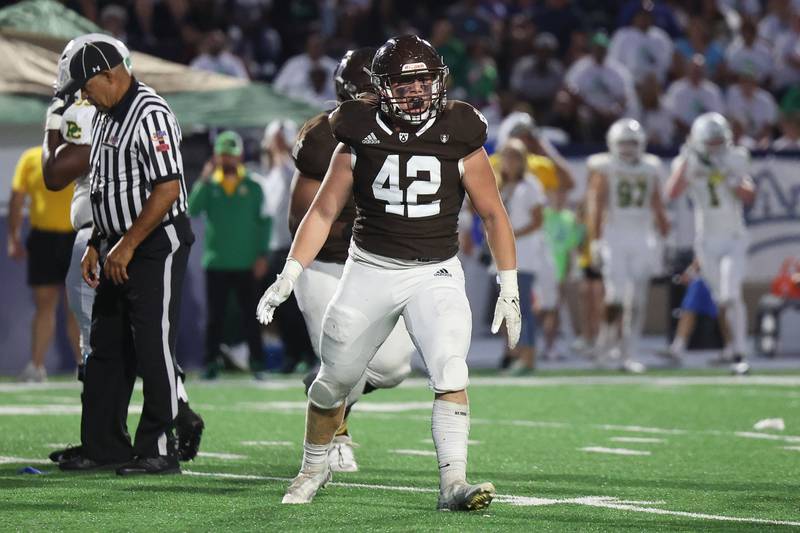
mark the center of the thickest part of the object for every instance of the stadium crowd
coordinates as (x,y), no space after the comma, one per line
(577,65)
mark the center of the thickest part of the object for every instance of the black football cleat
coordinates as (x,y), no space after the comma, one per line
(80,463)
(160,464)
(189,428)
(66,454)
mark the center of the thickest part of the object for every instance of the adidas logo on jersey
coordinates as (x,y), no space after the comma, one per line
(370,139)
(442,272)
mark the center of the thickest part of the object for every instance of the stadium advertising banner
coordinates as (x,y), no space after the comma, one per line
(774,218)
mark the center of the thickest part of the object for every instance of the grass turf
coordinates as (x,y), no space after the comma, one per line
(529,443)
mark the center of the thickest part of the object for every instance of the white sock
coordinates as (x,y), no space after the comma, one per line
(678,346)
(182,396)
(450,429)
(738,324)
(315,457)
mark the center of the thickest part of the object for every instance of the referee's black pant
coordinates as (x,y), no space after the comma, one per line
(134,329)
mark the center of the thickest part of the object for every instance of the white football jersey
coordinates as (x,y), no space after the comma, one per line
(76,128)
(718,212)
(630,189)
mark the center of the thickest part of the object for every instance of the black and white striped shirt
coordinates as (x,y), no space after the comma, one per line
(135,146)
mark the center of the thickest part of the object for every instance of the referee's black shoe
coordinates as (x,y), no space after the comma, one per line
(80,463)
(189,430)
(160,464)
(66,454)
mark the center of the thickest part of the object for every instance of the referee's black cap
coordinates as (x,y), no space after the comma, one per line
(90,60)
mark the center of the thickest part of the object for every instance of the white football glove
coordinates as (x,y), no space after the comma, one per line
(55,112)
(507,307)
(279,291)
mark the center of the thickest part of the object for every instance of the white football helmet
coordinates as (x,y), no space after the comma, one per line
(62,75)
(626,140)
(710,135)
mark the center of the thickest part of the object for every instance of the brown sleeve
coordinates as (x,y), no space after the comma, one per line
(314,147)
(469,125)
(353,120)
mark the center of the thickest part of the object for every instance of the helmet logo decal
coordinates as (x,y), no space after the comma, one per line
(413,66)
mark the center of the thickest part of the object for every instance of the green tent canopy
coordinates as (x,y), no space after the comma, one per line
(33,32)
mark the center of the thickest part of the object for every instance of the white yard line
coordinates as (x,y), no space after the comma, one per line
(643,440)
(642,429)
(767,436)
(6,460)
(225,456)
(792,448)
(266,443)
(421,453)
(534,381)
(614,451)
(51,409)
(607,502)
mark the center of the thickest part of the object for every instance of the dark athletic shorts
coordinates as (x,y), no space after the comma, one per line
(49,255)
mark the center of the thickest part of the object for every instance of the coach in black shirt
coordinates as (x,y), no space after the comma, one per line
(138,200)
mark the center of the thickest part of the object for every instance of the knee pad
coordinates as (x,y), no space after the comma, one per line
(453,375)
(341,327)
(326,395)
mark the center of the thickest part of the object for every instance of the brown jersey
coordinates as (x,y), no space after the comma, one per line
(312,153)
(407,180)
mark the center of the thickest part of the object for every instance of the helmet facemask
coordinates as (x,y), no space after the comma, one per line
(414,96)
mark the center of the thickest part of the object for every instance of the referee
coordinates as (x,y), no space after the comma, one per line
(138,199)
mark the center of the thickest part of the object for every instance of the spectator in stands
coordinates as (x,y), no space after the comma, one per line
(235,246)
(215,57)
(655,117)
(256,41)
(787,55)
(752,111)
(277,170)
(599,90)
(789,141)
(114,21)
(698,41)
(536,78)
(776,21)
(481,73)
(642,47)
(749,53)
(452,50)
(301,75)
(662,13)
(692,95)
(561,18)
(48,249)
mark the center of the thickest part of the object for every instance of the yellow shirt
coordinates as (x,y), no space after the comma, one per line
(49,210)
(538,165)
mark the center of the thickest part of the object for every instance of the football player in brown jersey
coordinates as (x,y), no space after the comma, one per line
(408,161)
(315,289)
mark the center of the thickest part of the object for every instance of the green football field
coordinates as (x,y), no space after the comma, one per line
(668,452)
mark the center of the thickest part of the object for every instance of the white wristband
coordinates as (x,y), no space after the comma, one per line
(292,269)
(508,283)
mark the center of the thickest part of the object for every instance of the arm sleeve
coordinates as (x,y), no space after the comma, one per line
(198,198)
(19,182)
(159,146)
